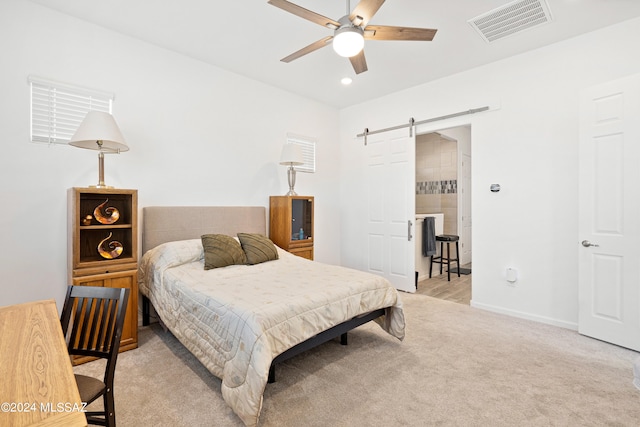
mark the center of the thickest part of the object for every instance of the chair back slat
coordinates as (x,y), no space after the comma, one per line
(85,315)
(111,324)
(93,341)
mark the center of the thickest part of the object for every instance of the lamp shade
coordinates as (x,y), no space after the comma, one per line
(99,131)
(291,155)
(348,41)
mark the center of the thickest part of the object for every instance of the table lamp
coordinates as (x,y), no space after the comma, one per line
(99,131)
(292,156)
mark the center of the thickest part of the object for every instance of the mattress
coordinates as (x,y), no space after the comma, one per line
(237,319)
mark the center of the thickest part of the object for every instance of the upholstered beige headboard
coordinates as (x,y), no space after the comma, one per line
(161,224)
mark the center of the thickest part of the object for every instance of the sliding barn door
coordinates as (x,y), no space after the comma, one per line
(391,207)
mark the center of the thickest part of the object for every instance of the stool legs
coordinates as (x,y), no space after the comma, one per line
(448,263)
(458,258)
(441,259)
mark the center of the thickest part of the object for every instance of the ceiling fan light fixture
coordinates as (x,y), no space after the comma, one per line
(348,41)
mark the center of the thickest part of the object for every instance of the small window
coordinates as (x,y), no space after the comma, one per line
(308,146)
(57,109)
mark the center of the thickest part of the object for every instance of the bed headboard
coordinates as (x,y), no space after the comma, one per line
(161,224)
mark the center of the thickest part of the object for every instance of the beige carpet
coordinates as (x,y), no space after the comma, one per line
(458,366)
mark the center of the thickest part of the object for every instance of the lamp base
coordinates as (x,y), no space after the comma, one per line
(291,177)
(100,183)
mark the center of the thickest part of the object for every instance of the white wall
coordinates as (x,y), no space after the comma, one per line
(198,135)
(529,146)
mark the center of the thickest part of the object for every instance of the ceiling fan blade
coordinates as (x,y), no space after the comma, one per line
(359,63)
(305,13)
(383,32)
(308,49)
(364,11)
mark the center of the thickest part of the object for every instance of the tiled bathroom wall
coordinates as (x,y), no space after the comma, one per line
(436,178)
(436,187)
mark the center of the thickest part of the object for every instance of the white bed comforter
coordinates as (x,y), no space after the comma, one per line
(237,319)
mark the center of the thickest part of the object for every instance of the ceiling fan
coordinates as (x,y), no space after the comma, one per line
(350,31)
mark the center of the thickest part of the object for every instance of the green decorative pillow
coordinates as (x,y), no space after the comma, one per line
(221,251)
(257,248)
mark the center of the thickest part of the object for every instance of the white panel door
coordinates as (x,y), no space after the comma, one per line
(609,218)
(391,207)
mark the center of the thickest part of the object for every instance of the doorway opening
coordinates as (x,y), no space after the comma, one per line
(443,191)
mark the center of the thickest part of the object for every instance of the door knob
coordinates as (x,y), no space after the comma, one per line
(587,243)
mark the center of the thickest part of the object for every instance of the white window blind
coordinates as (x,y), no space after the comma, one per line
(308,146)
(57,109)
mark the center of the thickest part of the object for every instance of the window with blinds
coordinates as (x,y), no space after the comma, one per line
(308,146)
(57,109)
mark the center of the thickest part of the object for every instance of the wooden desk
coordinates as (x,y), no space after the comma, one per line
(37,386)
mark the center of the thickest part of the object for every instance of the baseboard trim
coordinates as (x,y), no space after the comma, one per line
(527,316)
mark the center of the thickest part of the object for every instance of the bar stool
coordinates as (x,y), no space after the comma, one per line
(448,239)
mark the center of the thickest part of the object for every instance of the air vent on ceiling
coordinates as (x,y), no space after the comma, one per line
(511,18)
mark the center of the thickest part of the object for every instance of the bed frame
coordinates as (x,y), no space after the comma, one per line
(161,224)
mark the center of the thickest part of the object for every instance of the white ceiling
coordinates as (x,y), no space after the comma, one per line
(250,37)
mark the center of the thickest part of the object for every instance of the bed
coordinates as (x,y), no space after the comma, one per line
(241,320)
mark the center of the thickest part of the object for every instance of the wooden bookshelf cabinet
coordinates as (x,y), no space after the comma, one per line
(291,224)
(87,267)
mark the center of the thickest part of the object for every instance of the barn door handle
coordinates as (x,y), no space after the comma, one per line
(587,243)
(409,224)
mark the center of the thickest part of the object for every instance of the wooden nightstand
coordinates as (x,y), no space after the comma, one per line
(85,233)
(291,224)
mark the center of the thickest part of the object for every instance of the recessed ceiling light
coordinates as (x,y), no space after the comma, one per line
(346,81)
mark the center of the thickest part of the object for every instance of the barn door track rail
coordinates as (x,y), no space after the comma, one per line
(412,123)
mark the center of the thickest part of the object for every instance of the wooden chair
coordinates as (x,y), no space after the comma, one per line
(92,320)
